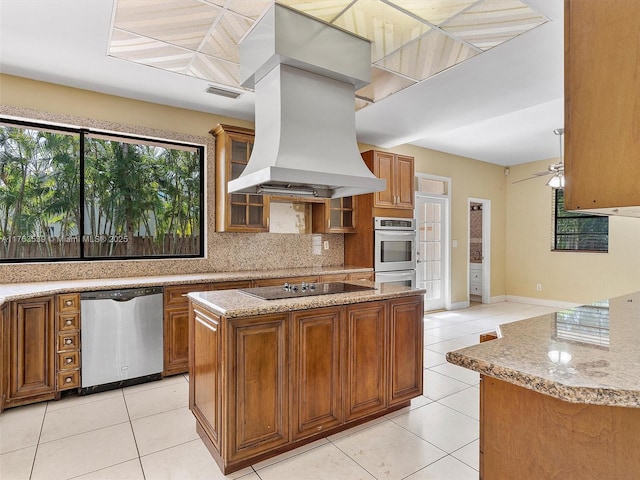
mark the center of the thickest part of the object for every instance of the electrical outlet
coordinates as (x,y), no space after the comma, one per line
(539,287)
(326,244)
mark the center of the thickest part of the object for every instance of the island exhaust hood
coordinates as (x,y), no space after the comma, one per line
(305,73)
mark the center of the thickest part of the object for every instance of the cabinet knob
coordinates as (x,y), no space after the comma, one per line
(68,303)
(68,341)
(69,360)
(68,380)
(68,322)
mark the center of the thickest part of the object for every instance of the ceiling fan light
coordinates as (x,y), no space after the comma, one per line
(557,181)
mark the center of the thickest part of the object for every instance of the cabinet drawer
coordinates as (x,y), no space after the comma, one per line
(68,302)
(361,276)
(476,289)
(177,295)
(475,276)
(68,361)
(68,321)
(68,379)
(68,341)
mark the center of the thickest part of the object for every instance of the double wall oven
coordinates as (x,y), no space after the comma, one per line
(395,250)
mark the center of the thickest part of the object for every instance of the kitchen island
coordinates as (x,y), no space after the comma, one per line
(560,394)
(267,376)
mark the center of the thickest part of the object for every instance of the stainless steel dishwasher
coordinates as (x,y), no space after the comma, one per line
(121,337)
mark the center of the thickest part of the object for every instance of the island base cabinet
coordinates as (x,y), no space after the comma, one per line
(262,385)
(316,386)
(258,398)
(365,359)
(406,343)
(526,434)
(205,395)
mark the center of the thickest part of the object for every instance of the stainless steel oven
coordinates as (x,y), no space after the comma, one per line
(405,278)
(394,244)
(395,251)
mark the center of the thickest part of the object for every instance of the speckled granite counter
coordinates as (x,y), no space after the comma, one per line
(16,291)
(588,354)
(235,304)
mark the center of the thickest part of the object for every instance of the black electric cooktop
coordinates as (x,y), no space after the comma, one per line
(292,290)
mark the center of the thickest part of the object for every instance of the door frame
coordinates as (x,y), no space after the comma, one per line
(486,247)
(446,234)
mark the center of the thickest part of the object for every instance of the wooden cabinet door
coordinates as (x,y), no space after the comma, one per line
(384,167)
(406,349)
(236,212)
(258,397)
(405,182)
(316,384)
(602,94)
(205,395)
(365,339)
(176,327)
(32,370)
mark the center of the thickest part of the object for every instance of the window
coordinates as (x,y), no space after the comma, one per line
(77,194)
(578,231)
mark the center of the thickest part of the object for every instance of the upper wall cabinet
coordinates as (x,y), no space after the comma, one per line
(398,171)
(335,215)
(602,106)
(236,212)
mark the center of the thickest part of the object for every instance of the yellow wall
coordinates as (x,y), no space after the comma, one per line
(47,97)
(565,276)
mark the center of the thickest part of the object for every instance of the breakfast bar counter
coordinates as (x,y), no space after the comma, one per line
(266,376)
(560,394)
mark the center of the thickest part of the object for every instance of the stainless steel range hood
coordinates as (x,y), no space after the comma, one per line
(305,73)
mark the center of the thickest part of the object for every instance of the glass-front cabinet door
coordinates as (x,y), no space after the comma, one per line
(236,212)
(341,215)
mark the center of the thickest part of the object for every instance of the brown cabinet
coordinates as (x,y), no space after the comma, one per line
(602,91)
(236,212)
(30,351)
(405,349)
(205,394)
(316,365)
(335,215)
(176,322)
(176,327)
(365,349)
(258,397)
(398,171)
(265,384)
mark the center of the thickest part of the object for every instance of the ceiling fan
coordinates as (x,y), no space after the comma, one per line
(555,169)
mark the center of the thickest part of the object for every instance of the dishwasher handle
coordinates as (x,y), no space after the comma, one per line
(121,295)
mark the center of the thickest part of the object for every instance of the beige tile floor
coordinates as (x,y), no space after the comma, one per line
(147,432)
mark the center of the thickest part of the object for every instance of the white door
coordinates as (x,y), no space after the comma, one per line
(431,229)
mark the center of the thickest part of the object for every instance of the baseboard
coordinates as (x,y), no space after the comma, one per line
(498,299)
(459,305)
(541,301)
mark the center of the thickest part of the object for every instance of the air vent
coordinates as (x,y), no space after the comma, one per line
(223,92)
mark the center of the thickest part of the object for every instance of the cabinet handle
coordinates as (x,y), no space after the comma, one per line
(328,223)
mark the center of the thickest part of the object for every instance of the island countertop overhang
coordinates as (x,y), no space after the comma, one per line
(588,354)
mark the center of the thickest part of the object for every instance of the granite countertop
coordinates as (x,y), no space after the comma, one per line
(17,291)
(588,354)
(235,304)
